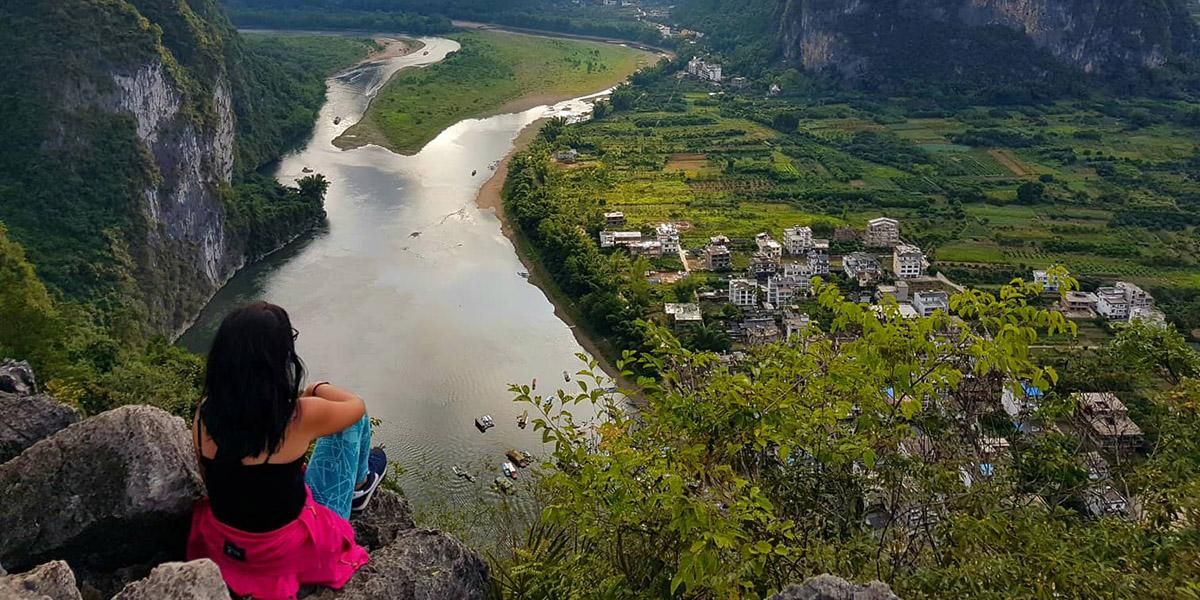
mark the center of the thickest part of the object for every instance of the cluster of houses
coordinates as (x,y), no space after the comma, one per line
(1122,301)
(664,242)
(704,70)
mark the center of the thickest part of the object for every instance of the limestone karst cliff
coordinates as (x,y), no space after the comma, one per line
(126,127)
(1095,36)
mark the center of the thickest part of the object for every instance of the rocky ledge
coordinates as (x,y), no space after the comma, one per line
(99,509)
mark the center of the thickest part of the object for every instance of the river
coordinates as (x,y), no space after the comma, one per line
(411,295)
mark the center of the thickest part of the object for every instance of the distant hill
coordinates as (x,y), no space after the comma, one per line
(988,41)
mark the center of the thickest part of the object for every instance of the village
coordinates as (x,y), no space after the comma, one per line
(763,304)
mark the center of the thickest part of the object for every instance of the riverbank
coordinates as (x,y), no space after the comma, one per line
(392,47)
(491,197)
(493,73)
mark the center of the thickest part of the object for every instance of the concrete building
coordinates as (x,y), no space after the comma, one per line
(703,70)
(1150,316)
(718,240)
(668,236)
(898,291)
(784,289)
(818,257)
(1080,302)
(718,258)
(683,313)
(926,303)
(743,293)
(767,244)
(1049,283)
(1106,421)
(616,239)
(567,156)
(882,233)
(650,248)
(763,264)
(1118,302)
(614,219)
(794,323)
(861,267)
(908,262)
(798,240)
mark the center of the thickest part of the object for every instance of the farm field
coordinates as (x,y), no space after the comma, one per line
(491,72)
(1111,191)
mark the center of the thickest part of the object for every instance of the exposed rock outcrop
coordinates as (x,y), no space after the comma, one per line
(387,517)
(16,377)
(114,490)
(1096,36)
(51,581)
(195,580)
(828,587)
(420,564)
(26,419)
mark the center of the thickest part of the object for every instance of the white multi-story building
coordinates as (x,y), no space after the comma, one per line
(882,233)
(743,293)
(926,303)
(861,267)
(651,248)
(1050,283)
(704,70)
(798,269)
(818,257)
(783,289)
(764,263)
(908,262)
(613,239)
(1080,301)
(798,240)
(1118,302)
(718,240)
(668,236)
(768,245)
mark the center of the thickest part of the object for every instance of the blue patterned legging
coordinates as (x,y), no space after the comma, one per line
(338,464)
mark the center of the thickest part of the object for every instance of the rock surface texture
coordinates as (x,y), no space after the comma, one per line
(51,581)
(1095,36)
(195,580)
(828,587)
(24,420)
(16,377)
(420,564)
(114,490)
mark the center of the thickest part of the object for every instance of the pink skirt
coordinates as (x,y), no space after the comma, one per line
(315,549)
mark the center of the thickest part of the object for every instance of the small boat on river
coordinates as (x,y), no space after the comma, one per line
(503,485)
(519,458)
(474,172)
(566,376)
(484,423)
(461,473)
(523,420)
(509,470)
(337,120)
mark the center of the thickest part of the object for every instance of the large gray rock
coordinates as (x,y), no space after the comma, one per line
(51,581)
(195,580)
(26,419)
(420,564)
(828,587)
(385,518)
(16,377)
(114,490)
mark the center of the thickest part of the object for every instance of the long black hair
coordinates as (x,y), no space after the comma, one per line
(252,382)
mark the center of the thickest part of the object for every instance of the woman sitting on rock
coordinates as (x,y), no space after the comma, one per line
(270,522)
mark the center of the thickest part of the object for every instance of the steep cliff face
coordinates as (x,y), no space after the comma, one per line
(1095,36)
(119,168)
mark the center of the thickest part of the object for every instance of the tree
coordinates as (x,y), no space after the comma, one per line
(1031,192)
(30,326)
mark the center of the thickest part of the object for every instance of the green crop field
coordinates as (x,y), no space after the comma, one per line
(493,69)
(1103,189)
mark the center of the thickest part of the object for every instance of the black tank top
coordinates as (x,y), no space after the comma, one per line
(255,498)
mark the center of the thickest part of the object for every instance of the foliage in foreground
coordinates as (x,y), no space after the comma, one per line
(849,451)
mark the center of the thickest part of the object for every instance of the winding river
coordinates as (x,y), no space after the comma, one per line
(411,295)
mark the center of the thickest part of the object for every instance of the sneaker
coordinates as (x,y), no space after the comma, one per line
(377,467)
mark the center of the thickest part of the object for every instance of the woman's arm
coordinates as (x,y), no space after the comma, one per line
(327,409)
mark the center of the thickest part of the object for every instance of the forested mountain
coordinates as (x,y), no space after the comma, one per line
(1038,44)
(129,128)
